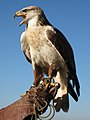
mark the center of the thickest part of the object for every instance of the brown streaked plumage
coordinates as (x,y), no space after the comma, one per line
(49,52)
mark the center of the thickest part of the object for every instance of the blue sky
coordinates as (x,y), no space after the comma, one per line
(16,75)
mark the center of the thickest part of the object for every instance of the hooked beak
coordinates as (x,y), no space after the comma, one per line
(18,14)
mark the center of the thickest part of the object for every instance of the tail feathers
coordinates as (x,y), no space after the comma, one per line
(76,83)
(78,88)
(62,103)
(72,92)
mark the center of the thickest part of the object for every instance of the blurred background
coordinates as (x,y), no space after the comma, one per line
(16,74)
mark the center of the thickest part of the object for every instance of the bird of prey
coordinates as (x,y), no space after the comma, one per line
(49,52)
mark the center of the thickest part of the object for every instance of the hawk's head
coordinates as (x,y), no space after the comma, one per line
(28,13)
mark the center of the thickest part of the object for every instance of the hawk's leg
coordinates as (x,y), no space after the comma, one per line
(38,75)
(52,70)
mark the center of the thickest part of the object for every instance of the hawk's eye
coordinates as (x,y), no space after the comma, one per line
(25,10)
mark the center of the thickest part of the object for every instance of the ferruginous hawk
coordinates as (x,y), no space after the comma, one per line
(49,52)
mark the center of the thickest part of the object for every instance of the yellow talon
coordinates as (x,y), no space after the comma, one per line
(24,94)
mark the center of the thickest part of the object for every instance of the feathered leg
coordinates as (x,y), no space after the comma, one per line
(38,75)
(52,70)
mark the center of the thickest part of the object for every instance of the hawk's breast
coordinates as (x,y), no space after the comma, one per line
(43,52)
